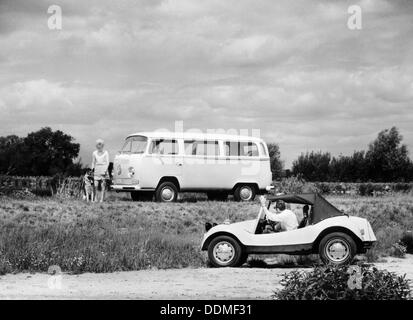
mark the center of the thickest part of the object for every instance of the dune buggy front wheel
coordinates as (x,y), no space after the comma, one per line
(224,251)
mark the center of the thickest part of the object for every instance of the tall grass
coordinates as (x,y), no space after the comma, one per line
(124,235)
(113,236)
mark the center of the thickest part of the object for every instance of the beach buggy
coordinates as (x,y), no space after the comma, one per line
(334,235)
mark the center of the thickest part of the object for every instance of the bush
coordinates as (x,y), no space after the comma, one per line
(407,241)
(323,187)
(398,250)
(297,184)
(293,185)
(332,283)
(367,189)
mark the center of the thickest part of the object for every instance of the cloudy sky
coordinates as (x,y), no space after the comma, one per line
(292,69)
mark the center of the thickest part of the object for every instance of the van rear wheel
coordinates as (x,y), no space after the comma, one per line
(244,192)
(166,192)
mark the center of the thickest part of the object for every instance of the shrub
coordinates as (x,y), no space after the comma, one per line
(5,265)
(398,250)
(407,241)
(331,283)
(294,185)
(323,187)
(366,189)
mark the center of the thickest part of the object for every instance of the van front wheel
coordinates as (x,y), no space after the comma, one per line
(166,192)
(244,192)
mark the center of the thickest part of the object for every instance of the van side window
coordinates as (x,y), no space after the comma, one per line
(248,149)
(163,146)
(244,149)
(201,148)
(231,148)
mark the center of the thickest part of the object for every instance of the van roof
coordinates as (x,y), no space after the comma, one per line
(194,135)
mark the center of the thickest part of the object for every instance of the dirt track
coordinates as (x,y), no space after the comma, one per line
(240,283)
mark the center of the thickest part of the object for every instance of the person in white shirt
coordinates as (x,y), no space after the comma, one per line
(100,165)
(283,219)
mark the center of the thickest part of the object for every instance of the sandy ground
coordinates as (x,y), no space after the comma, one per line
(237,283)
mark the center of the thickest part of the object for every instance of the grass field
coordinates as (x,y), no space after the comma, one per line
(124,235)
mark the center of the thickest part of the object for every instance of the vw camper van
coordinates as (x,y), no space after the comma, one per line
(162,164)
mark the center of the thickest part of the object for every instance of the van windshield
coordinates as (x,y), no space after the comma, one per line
(135,144)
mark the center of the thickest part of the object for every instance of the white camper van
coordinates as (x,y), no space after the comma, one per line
(165,163)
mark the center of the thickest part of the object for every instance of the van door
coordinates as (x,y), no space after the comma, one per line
(163,160)
(203,168)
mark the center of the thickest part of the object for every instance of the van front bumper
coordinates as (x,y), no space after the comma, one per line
(123,187)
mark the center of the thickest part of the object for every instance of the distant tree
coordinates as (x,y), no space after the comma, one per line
(313,166)
(76,169)
(10,154)
(387,158)
(277,164)
(44,152)
(348,168)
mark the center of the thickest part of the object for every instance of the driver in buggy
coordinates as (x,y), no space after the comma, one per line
(282,219)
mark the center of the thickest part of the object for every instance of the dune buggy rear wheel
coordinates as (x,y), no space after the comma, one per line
(224,251)
(337,248)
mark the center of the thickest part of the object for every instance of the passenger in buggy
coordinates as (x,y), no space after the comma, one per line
(304,221)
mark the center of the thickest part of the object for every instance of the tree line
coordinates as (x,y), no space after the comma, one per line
(41,153)
(385,160)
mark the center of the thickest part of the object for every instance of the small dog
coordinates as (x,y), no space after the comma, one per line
(88,186)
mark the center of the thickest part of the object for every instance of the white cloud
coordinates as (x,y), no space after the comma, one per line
(291,69)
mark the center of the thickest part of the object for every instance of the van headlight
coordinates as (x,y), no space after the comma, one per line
(131,171)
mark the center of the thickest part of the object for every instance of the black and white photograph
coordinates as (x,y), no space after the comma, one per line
(220,152)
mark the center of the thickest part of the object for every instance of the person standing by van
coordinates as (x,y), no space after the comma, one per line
(100,165)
